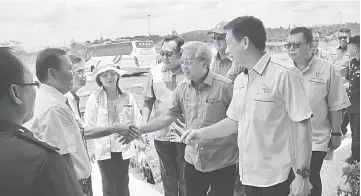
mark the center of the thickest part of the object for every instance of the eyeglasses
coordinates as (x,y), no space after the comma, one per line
(79,73)
(36,84)
(167,54)
(108,73)
(219,37)
(294,45)
(342,37)
(188,62)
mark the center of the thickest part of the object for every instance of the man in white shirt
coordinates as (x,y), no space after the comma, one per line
(317,50)
(54,121)
(79,81)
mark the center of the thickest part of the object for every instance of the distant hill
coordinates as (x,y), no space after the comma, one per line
(275,37)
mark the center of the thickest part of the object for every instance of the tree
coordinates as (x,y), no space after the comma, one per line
(16,47)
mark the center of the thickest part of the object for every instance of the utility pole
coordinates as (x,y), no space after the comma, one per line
(149,25)
(340,17)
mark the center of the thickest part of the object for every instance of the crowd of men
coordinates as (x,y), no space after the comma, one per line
(237,122)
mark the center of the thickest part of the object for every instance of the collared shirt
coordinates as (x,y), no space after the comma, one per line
(74,102)
(323,54)
(341,61)
(267,103)
(160,85)
(219,65)
(31,167)
(326,93)
(98,113)
(203,106)
(55,123)
(234,71)
(353,75)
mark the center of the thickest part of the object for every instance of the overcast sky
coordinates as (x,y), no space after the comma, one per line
(51,23)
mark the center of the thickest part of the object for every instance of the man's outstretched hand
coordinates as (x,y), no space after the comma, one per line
(133,133)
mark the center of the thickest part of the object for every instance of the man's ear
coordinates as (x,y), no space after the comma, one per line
(245,43)
(14,92)
(51,74)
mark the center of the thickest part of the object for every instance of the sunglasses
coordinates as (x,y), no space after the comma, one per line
(293,45)
(342,37)
(167,54)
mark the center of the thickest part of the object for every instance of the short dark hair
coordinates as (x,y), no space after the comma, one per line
(178,39)
(46,59)
(75,59)
(11,69)
(345,30)
(307,33)
(251,27)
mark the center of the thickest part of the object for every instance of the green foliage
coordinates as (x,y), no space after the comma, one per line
(352,175)
(16,47)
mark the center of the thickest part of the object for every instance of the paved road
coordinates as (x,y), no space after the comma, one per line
(136,187)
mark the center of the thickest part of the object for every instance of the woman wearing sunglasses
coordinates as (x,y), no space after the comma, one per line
(111,106)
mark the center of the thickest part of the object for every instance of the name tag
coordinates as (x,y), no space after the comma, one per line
(128,106)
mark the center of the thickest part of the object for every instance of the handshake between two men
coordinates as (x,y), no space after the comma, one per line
(177,133)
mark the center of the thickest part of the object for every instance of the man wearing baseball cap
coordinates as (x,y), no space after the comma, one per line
(223,65)
(220,62)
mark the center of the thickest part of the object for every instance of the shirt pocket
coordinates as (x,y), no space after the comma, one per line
(215,110)
(317,88)
(263,106)
(317,98)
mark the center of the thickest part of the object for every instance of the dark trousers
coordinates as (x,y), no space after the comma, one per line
(315,177)
(281,189)
(238,186)
(345,121)
(221,181)
(355,133)
(115,175)
(86,186)
(171,161)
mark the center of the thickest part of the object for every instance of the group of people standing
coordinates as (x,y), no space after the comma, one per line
(231,123)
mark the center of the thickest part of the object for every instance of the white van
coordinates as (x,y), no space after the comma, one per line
(134,57)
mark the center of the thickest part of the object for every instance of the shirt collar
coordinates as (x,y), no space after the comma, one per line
(310,64)
(70,95)
(53,91)
(208,80)
(342,49)
(262,64)
(179,70)
(4,124)
(218,56)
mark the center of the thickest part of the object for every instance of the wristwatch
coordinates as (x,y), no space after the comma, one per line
(336,134)
(304,172)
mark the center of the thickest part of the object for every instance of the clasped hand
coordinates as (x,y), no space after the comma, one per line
(133,132)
